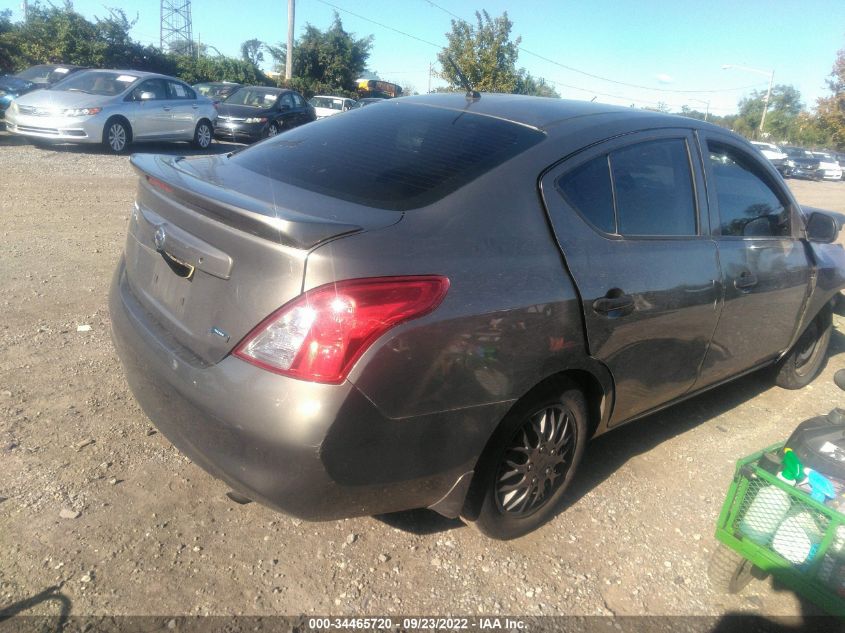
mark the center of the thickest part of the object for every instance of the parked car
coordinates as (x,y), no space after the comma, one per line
(828,165)
(115,108)
(367,101)
(255,112)
(327,106)
(216,90)
(840,158)
(776,156)
(34,78)
(802,164)
(436,302)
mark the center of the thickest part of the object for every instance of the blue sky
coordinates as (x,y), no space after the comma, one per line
(658,47)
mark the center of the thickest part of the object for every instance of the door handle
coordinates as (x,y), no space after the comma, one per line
(614,304)
(195,107)
(166,108)
(745,281)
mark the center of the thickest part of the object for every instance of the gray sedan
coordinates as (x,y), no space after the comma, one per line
(115,108)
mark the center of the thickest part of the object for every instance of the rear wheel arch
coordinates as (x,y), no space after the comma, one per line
(595,396)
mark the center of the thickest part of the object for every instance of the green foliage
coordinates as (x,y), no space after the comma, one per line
(486,56)
(53,34)
(326,62)
(784,108)
(527,84)
(252,51)
(484,53)
(831,110)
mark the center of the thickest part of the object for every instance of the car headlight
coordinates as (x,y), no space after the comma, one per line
(81,111)
(256,119)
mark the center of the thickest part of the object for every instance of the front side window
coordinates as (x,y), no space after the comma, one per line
(748,205)
(287,100)
(156,86)
(640,190)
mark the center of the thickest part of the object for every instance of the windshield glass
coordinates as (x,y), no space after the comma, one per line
(331,103)
(399,157)
(254,97)
(98,82)
(37,74)
(214,90)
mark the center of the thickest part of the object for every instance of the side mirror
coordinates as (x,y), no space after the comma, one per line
(822,228)
(145,96)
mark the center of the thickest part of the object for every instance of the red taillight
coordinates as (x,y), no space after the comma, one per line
(319,335)
(158,184)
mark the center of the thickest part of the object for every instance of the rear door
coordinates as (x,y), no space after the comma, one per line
(184,109)
(626,214)
(765,268)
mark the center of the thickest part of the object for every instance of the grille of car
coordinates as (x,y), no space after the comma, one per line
(38,130)
(33,111)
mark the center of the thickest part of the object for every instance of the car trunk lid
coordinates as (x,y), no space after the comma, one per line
(213,249)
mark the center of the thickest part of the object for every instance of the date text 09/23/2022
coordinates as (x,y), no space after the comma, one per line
(416,623)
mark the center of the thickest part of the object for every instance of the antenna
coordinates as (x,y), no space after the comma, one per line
(176,27)
(471,93)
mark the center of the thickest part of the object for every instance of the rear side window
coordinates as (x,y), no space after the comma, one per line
(640,190)
(748,206)
(587,188)
(653,187)
(398,157)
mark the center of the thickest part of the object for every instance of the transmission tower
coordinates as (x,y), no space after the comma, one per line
(176,33)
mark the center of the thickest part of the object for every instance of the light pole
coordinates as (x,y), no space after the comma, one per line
(771,74)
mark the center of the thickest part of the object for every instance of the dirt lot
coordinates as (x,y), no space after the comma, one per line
(94,501)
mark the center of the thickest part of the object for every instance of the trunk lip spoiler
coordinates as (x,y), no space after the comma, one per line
(244,212)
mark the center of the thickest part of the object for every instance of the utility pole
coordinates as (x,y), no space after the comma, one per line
(430,73)
(25,7)
(289,54)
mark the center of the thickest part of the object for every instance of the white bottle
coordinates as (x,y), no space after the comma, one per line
(798,537)
(765,514)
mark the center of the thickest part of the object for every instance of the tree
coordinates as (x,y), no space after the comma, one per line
(252,51)
(831,110)
(784,106)
(484,53)
(327,61)
(527,84)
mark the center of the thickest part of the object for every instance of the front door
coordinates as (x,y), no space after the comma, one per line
(765,267)
(627,217)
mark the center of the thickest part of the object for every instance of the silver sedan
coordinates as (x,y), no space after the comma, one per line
(115,108)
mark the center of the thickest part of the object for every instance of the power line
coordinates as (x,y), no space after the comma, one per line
(385,26)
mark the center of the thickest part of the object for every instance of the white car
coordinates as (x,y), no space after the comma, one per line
(328,106)
(775,154)
(832,170)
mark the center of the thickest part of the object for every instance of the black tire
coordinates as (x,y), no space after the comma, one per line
(549,428)
(203,135)
(116,136)
(728,571)
(809,354)
(272,129)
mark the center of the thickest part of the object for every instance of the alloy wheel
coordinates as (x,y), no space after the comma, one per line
(203,136)
(117,137)
(536,461)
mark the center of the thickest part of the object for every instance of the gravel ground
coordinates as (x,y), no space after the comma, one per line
(94,501)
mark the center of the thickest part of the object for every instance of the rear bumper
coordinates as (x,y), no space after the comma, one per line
(310,450)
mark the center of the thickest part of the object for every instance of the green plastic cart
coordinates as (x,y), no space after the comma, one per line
(754,541)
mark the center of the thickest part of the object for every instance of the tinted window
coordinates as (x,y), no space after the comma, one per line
(398,157)
(587,188)
(287,100)
(297,100)
(748,206)
(653,185)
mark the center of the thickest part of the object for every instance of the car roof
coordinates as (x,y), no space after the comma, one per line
(543,112)
(141,74)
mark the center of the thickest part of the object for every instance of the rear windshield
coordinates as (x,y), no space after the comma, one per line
(399,157)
